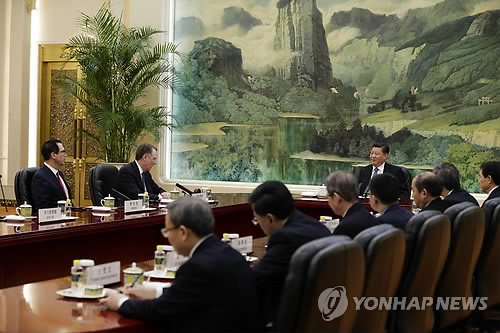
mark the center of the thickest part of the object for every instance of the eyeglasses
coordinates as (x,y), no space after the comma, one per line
(255,221)
(165,231)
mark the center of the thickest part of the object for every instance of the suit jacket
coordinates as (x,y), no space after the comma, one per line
(130,184)
(46,189)
(213,291)
(494,194)
(396,216)
(355,220)
(460,195)
(271,270)
(366,172)
(437,204)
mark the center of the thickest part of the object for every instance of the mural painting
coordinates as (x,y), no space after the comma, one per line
(295,89)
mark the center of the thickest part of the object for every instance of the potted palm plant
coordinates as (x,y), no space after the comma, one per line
(117,65)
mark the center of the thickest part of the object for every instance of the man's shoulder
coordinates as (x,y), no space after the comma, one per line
(358,213)
(128,168)
(41,173)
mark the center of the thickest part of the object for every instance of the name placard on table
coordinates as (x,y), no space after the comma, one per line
(243,244)
(49,214)
(132,206)
(104,274)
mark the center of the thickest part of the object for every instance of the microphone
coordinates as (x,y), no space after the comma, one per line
(3,194)
(184,189)
(120,194)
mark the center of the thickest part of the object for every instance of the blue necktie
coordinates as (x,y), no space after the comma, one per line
(143,179)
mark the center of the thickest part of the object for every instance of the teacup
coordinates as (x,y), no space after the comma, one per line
(133,275)
(24,210)
(108,201)
(174,194)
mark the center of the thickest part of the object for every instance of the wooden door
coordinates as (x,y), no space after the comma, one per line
(61,116)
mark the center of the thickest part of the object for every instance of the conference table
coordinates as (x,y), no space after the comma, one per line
(35,261)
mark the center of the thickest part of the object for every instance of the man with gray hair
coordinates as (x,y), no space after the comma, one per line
(216,284)
(342,188)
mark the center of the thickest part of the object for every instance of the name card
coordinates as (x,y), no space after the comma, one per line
(243,244)
(332,224)
(132,206)
(200,195)
(49,214)
(104,274)
(175,260)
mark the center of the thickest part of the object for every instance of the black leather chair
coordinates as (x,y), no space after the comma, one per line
(487,275)
(102,180)
(467,232)
(316,266)
(384,248)
(427,242)
(22,185)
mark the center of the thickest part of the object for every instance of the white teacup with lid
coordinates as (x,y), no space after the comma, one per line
(108,201)
(24,210)
(133,275)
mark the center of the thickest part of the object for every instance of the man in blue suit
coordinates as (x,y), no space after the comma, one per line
(489,179)
(214,291)
(288,229)
(342,188)
(48,184)
(384,199)
(449,176)
(135,177)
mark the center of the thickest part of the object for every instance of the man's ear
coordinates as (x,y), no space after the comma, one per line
(184,232)
(271,217)
(425,193)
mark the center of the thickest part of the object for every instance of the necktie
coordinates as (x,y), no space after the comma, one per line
(62,185)
(375,172)
(143,179)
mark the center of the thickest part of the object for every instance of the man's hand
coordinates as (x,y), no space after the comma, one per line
(165,195)
(112,299)
(140,292)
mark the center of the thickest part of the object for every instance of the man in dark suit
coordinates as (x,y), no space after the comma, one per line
(342,188)
(427,189)
(384,199)
(489,179)
(274,211)
(135,178)
(214,291)
(378,155)
(48,184)
(449,176)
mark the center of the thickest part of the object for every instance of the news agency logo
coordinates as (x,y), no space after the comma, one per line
(332,303)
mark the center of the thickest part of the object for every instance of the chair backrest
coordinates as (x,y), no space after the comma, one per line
(467,232)
(384,247)
(102,179)
(22,185)
(314,268)
(487,276)
(408,179)
(427,242)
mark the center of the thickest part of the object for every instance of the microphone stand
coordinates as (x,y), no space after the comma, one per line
(3,194)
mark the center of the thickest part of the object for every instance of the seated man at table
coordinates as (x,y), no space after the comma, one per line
(135,178)
(48,185)
(427,189)
(489,179)
(378,157)
(213,291)
(274,211)
(342,188)
(449,176)
(384,199)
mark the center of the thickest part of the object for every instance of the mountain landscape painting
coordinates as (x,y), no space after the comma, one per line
(295,89)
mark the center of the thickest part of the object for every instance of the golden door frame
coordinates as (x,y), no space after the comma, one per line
(63,117)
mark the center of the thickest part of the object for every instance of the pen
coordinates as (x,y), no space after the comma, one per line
(135,280)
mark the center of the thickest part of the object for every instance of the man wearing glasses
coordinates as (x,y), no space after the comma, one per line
(288,229)
(214,291)
(342,190)
(48,184)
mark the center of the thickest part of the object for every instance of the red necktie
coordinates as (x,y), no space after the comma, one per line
(62,185)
